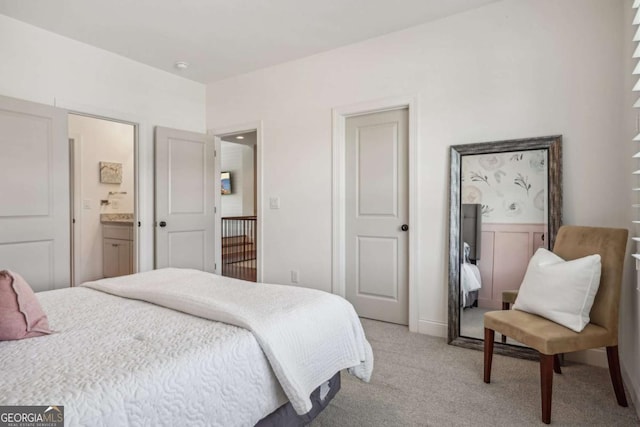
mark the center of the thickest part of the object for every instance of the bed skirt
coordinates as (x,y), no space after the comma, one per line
(285,416)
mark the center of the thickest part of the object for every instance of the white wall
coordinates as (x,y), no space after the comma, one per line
(238,160)
(248,181)
(100,141)
(512,69)
(43,67)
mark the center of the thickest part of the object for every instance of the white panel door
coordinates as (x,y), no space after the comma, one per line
(376,210)
(34,186)
(185,185)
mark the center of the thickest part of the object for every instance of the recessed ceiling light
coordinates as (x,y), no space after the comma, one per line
(181,65)
(239,137)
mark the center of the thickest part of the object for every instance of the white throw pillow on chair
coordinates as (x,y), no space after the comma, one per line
(558,290)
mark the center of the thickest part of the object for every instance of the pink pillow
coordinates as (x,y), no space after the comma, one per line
(20,313)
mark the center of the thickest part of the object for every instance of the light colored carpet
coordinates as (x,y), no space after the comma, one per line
(421,381)
(472,325)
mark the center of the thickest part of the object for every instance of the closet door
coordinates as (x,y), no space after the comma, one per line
(34,187)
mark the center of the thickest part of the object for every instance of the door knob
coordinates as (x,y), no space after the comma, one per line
(404,227)
(163,224)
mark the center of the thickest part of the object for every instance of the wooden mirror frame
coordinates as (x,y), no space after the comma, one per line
(553,145)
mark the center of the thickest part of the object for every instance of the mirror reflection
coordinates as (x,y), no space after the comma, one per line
(505,203)
(503,221)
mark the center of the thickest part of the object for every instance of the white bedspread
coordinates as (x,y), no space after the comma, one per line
(307,335)
(470,280)
(120,362)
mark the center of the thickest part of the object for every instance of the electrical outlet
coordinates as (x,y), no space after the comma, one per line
(86,204)
(274,202)
(294,276)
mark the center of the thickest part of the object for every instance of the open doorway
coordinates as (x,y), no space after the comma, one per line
(238,205)
(103,185)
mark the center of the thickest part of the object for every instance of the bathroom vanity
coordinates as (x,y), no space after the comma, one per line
(117,236)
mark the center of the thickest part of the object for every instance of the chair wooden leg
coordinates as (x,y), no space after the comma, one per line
(556,364)
(616,376)
(546,385)
(489,335)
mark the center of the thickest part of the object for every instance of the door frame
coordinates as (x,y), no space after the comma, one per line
(338,148)
(76,207)
(74,197)
(218,133)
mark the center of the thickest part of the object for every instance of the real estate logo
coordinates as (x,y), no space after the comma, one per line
(32,416)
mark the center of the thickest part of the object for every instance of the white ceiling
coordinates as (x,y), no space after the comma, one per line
(248,138)
(222,38)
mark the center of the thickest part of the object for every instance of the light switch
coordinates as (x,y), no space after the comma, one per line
(86,204)
(274,202)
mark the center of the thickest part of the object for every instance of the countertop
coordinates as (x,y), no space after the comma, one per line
(117,218)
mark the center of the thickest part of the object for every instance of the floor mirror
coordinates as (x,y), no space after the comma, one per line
(505,203)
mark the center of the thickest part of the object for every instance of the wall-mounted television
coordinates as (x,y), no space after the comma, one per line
(225,182)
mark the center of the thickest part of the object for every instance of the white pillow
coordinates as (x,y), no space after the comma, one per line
(558,290)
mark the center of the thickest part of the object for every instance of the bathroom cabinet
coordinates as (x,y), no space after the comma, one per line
(117,249)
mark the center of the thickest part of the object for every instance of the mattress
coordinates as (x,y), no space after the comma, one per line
(118,362)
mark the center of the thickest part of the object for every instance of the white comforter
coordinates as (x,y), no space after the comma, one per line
(470,280)
(120,362)
(307,335)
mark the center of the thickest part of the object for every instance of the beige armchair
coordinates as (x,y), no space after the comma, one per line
(508,298)
(551,339)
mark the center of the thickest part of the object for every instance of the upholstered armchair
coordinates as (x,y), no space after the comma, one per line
(551,339)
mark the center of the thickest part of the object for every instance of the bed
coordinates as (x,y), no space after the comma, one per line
(470,281)
(126,352)
(471,237)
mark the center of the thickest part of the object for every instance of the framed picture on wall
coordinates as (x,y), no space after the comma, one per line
(225,182)
(110,173)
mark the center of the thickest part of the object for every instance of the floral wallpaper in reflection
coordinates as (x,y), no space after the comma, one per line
(510,186)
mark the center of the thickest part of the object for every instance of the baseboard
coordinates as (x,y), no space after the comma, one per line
(632,389)
(594,357)
(430,327)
